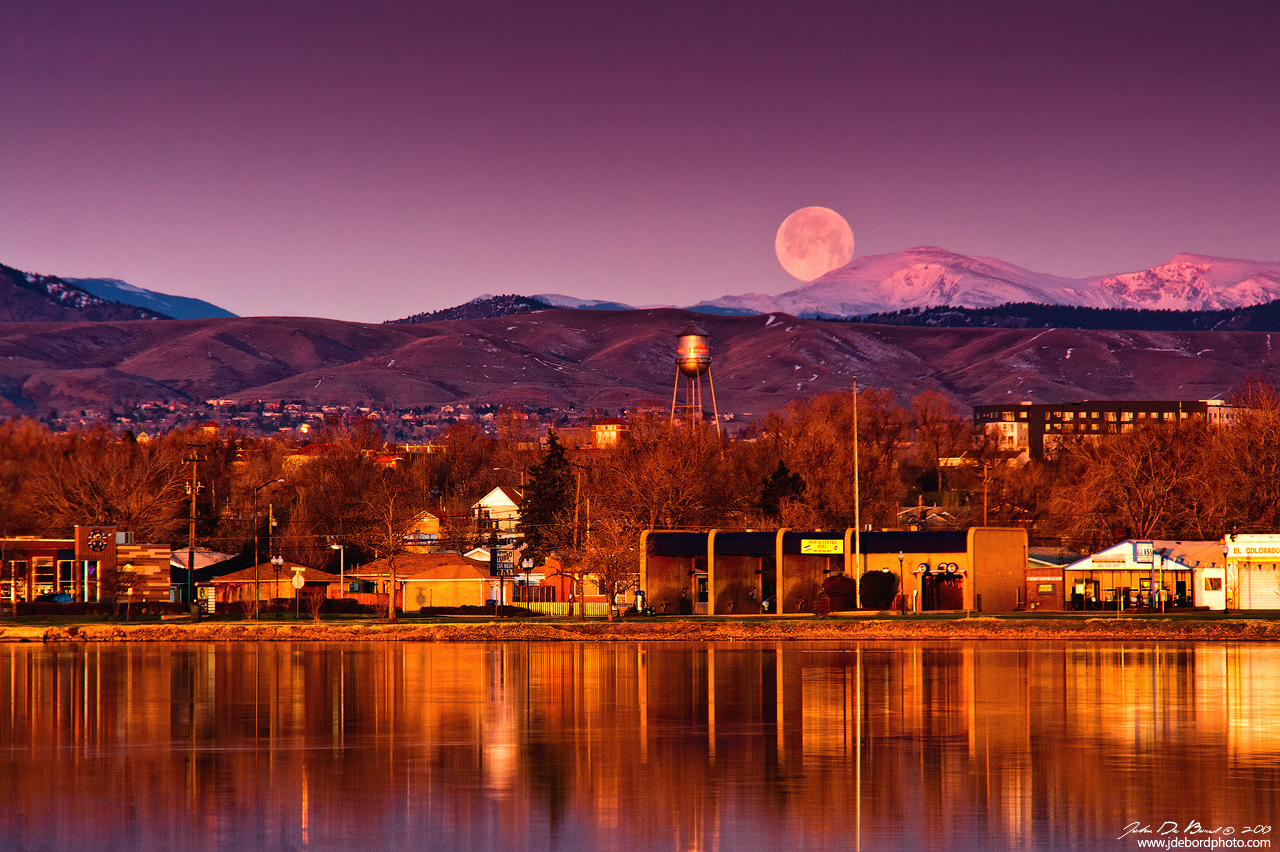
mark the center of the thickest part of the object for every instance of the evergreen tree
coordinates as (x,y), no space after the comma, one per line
(546,511)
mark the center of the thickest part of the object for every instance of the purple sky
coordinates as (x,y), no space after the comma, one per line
(369,160)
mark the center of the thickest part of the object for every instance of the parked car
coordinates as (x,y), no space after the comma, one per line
(54,597)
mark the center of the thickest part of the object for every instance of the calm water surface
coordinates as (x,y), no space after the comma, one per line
(635,747)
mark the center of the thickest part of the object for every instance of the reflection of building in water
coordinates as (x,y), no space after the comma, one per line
(643,745)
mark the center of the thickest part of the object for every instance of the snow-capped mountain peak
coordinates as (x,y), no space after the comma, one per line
(928,276)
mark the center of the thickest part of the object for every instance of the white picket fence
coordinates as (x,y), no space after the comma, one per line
(594,610)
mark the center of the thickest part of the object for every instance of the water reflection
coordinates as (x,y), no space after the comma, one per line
(631,746)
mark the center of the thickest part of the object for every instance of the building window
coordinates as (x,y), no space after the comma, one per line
(1111,417)
(1213,584)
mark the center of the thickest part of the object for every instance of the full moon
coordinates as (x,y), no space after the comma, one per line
(813,241)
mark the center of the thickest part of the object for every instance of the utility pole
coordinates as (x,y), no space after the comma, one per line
(857,506)
(985,465)
(191,536)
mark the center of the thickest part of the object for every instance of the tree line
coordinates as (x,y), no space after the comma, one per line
(587,507)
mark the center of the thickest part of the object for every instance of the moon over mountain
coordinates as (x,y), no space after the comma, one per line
(812,242)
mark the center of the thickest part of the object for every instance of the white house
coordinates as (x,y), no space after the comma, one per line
(1149,573)
(498,511)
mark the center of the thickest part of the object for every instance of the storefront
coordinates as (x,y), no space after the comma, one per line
(1147,574)
(1253,578)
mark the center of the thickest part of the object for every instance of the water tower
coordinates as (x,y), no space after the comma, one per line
(693,359)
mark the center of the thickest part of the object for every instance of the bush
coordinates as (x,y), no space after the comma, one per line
(879,588)
(842,592)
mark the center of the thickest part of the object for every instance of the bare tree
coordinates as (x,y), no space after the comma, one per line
(389,508)
(940,431)
(94,477)
(613,561)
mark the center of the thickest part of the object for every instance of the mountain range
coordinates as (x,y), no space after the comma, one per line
(62,347)
(917,278)
(576,359)
(928,277)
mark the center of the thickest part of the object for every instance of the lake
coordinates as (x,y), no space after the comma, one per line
(635,746)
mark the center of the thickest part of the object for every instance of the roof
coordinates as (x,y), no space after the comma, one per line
(1188,553)
(427,566)
(499,495)
(204,557)
(266,573)
(1051,555)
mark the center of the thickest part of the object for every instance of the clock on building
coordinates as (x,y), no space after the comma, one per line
(97,540)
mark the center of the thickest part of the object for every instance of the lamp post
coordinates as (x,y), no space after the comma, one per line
(277,562)
(902,582)
(342,568)
(257,583)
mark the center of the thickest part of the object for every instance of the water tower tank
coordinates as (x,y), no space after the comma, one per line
(693,353)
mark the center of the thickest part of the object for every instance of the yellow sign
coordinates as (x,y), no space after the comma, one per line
(822,546)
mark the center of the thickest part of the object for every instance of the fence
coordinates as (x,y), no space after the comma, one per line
(594,610)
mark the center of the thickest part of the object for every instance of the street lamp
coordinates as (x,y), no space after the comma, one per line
(513,470)
(342,568)
(277,562)
(902,582)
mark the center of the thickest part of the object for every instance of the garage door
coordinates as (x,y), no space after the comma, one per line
(1258,589)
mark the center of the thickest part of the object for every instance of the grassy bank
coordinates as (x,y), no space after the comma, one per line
(1190,627)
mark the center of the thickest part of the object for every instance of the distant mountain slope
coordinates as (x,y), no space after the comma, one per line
(28,297)
(1253,318)
(479,308)
(178,307)
(574,359)
(928,277)
(558,301)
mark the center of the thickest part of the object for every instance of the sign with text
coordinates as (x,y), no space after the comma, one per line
(1254,548)
(822,546)
(1144,551)
(501,563)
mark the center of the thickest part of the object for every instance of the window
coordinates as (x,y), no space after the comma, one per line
(1111,417)
(1213,584)
(1126,416)
(1069,415)
(1006,415)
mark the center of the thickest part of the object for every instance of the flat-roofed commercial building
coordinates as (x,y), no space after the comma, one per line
(1037,427)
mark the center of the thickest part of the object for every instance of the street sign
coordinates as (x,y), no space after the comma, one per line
(298,582)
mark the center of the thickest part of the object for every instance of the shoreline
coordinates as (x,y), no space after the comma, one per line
(888,628)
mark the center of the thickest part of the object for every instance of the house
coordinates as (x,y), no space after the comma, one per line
(498,512)
(266,582)
(434,580)
(424,535)
(1133,574)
